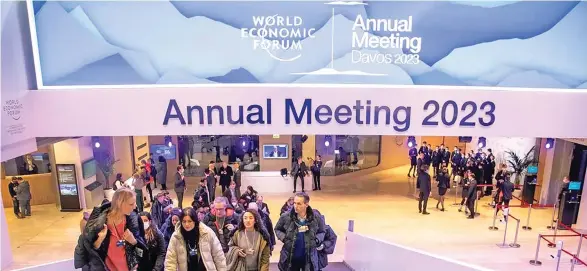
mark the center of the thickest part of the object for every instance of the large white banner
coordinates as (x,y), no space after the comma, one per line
(290,109)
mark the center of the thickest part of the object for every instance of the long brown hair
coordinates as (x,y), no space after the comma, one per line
(259,225)
(150,231)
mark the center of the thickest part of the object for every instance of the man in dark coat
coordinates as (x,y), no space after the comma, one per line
(298,230)
(425,187)
(472,197)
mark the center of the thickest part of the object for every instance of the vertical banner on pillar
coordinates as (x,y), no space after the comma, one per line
(17,77)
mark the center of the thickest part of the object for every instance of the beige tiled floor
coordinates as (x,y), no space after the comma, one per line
(381,205)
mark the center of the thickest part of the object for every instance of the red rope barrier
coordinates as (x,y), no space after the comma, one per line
(564,235)
(513,206)
(568,253)
(569,228)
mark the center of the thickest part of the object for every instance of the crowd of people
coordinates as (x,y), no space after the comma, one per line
(471,171)
(227,232)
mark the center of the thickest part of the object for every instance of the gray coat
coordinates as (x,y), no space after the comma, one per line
(237,178)
(23,191)
(299,167)
(179,183)
(161,172)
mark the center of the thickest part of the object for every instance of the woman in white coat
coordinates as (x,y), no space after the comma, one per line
(194,246)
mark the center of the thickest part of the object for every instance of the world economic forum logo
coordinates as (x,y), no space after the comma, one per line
(280,36)
(13,109)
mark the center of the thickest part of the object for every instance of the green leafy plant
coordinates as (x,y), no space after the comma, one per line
(105,163)
(520,163)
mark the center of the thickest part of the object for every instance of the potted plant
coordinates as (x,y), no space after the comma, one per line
(520,163)
(105,163)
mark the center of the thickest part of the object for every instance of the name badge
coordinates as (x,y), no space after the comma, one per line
(120,243)
(303,228)
(193,252)
(139,252)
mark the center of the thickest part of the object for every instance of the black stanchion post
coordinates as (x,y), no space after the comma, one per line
(527,227)
(536,261)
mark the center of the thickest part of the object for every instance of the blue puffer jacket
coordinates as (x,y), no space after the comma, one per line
(286,231)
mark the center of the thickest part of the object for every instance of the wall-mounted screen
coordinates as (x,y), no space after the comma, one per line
(574,186)
(163,150)
(275,151)
(532,170)
(89,168)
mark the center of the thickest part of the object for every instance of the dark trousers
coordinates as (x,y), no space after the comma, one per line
(179,199)
(15,206)
(471,207)
(212,191)
(316,179)
(423,201)
(224,187)
(155,181)
(298,265)
(436,169)
(295,181)
(488,189)
(140,202)
(150,190)
(412,167)
(164,186)
(237,190)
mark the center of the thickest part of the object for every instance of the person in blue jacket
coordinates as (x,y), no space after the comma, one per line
(413,154)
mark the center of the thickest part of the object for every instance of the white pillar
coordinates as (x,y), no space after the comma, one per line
(5,248)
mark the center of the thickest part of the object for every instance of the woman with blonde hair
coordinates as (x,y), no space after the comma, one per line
(194,246)
(250,245)
(112,237)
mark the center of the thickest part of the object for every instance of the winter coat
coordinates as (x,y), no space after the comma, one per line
(88,258)
(209,248)
(23,191)
(210,221)
(329,242)
(154,257)
(286,231)
(264,255)
(161,172)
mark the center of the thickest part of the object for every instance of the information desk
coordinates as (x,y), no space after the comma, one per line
(43,189)
(272,182)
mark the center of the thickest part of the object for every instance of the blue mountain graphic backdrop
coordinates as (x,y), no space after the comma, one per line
(508,44)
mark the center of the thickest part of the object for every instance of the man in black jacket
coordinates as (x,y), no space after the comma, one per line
(425,187)
(298,230)
(11,186)
(472,197)
(299,170)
